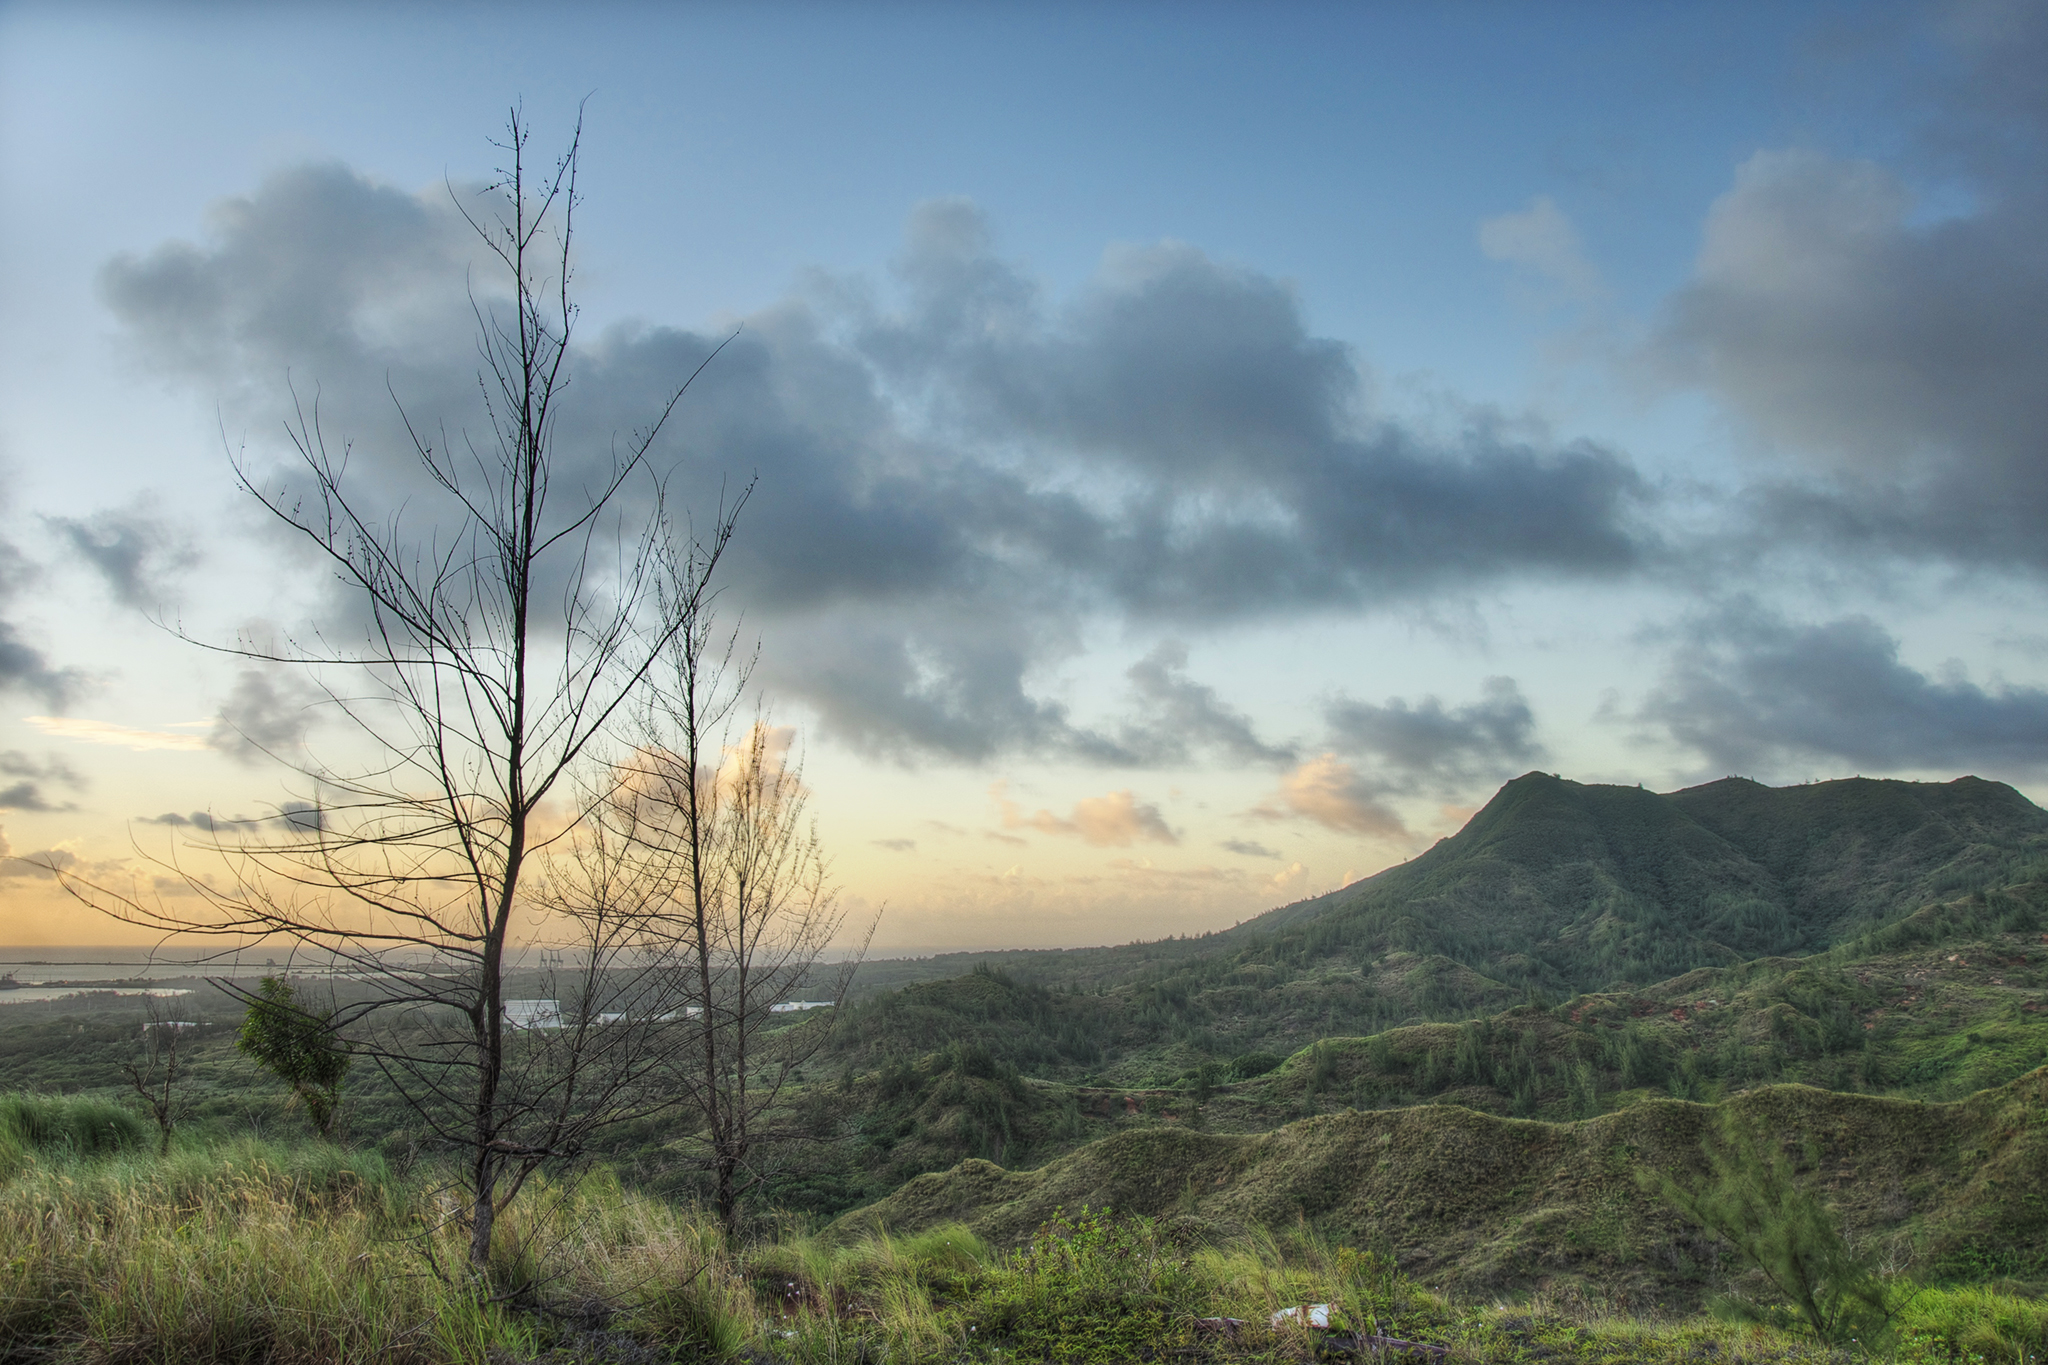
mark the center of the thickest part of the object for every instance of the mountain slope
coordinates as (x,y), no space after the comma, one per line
(1564,886)
(1570,886)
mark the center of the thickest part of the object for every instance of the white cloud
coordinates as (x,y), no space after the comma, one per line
(1331,793)
(1117,819)
(118,736)
(1541,239)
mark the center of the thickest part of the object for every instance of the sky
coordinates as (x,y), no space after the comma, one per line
(1201,451)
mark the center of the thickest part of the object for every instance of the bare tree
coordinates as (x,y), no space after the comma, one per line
(507,648)
(154,1074)
(705,845)
(759,914)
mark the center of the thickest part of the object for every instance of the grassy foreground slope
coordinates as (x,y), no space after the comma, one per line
(1480,1205)
(308,1254)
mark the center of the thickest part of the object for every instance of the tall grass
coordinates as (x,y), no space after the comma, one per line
(1974,1324)
(246,1252)
(63,1126)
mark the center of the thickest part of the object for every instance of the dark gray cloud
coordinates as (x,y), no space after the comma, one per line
(302,817)
(266,714)
(33,777)
(1429,745)
(138,554)
(297,816)
(1248,848)
(27,796)
(1895,355)
(928,681)
(24,666)
(198,819)
(1182,717)
(1753,692)
(320,268)
(946,486)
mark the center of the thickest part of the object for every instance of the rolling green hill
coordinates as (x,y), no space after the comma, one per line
(1483,1205)
(1862,936)
(1932,1008)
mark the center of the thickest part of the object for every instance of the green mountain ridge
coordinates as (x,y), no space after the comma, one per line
(1564,886)
(1554,888)
(1570,886)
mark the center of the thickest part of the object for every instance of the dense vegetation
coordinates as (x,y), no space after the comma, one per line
(244,1250)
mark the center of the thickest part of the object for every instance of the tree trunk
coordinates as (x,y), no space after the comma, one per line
(484,1212)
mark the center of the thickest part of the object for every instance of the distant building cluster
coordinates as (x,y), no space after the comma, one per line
(540,1014)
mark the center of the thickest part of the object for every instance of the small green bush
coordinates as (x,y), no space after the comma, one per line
(1786,1236)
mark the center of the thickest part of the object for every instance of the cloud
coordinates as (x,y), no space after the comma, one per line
(301,817)
(42,865)
(198,819)
(896,845)
(49,768)
(1249,848)
(1182,716)
(318,267)
(35,774)
(1541,239)
(25,668)
(265,714)
(1331,793)
(132,550)
(1888,353)
(28,796)
(1429,744)
(1753,692)
(118,736)
(1117,819)
(953,477)
(1288,880)
(295,816)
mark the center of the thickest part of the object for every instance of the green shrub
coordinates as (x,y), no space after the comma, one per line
(1786,1236)
(298,1045)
